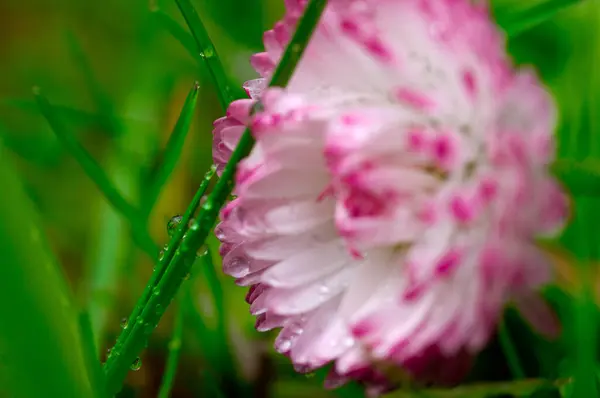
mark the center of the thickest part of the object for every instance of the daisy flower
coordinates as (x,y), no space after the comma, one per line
(388,211)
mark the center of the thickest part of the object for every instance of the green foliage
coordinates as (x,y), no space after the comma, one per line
(41,344)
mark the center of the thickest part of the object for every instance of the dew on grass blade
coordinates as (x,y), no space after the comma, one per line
(136,364)
(203,251)
(173,224)
(124,323)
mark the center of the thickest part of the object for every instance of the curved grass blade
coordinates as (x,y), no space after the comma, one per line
(582,178)
(103,102)
(91,355)
(172,151)
(206,50)
(41,347)
(115,368)
(165,283)
(173,354)
(510,352)
(517,16)
(99,177)
(179,33)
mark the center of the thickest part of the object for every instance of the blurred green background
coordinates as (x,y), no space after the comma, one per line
(118,79)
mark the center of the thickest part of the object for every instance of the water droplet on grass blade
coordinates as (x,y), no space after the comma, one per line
(173,224)
(136,364)
(203,251)
(124,323)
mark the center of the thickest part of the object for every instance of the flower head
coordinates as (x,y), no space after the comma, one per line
(387,212)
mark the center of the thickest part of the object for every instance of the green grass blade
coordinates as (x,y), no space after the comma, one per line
(166,281)
(172,151)
(77,117)
(178,33)
(173,354)
(512,357)
(91,355)
(98,176)
(40,340)
(581,178)
(102,100)
(132,339)
(227,93)
(518,16)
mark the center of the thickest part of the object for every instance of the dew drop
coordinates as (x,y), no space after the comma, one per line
(136,364)
(238,266)
(140,321)
(323,289)
(124,323)
(219,233)
(161,255)
(203,251)
(284,345)
(173,224)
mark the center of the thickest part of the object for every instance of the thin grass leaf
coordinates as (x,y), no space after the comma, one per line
(40,342)
(91,355)
(485,390)
(75,116)
(98,176)
(205,48)
(173,353)
(103,101)
(166,281)
(179,33)
(172,151)
(153,302)
(518,16)
(510,352)
(581,178)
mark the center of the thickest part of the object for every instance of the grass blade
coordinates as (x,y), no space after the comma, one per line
(517,16)
(206,49)
(582,178)
(179,33)
(172,151)
(40,339)
(173,354)
(166,281)
(99,177)
(510,352)
(91,355)
(102,100)
(147,310)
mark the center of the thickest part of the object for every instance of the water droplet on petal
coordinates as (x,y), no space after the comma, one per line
(284,346)
(323,289)
(238,266)
(219,233)
(136,364)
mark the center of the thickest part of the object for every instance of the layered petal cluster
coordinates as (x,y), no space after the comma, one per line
(388,210)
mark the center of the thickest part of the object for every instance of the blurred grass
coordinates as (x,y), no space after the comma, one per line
(120,80)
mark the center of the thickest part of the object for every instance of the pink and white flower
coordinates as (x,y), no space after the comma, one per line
(387,212)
